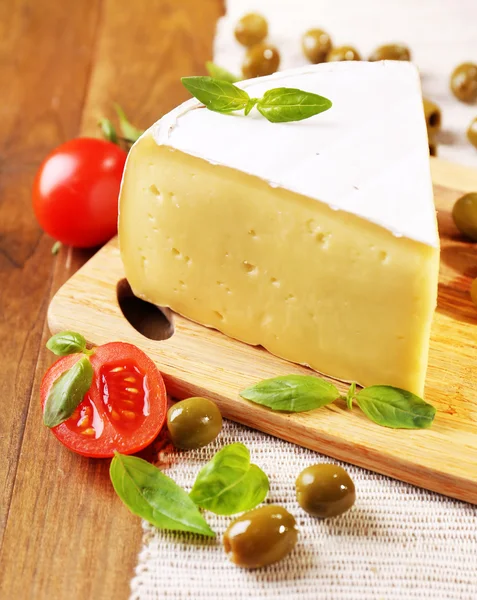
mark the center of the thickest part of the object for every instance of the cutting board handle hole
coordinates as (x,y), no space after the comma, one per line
(149,320)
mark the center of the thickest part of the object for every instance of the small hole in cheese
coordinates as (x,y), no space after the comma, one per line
(176,253)
(154,190)
(275,282)
(323,240)
(249,268)
(219,315)
(384,257)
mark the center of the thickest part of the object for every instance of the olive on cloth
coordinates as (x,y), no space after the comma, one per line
(391,52)
(316,44)
(260,60)
(463,82)
(325,490)
(193,423)
(251,29)
(261,537)
(343,53)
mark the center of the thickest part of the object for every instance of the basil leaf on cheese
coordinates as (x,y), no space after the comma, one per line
(282,105)
(220,73)
(67,392)
(67,342)
(393,407)
(292,393)
(153,496)
(229,484)
(279,105)
(217,95)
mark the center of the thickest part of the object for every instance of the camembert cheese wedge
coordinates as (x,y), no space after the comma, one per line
(316,239)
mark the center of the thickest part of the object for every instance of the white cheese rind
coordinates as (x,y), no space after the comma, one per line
(367,155)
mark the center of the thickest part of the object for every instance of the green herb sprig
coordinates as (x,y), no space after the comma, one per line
(385,405)
(67,342)
(69,389)
(153,496)
(218,72)
(229,484)
(129,133)
(292,393)
(67,392)
(278,105)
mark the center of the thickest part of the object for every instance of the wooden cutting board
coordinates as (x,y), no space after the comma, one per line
(201,361)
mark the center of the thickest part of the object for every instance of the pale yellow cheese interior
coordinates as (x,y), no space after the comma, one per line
(266,266)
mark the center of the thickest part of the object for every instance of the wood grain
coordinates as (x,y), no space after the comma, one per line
(30,124)
(200,361)
(63,64)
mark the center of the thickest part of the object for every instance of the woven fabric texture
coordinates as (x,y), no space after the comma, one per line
(397,542)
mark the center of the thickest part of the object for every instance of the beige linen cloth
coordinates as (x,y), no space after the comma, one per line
(398,542)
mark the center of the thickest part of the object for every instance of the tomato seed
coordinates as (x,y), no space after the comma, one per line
(127,402)
(115,415)
(89,432)
(128,414)
(84,421)
(131,379)
(117,369)
(132,390)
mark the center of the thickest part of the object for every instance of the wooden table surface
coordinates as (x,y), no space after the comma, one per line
(63,532)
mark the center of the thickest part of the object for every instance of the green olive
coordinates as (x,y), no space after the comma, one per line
(465,215)
(472,132)
(260,60)
(473,292)
(325,490)
(464,82)
(432,147)
(433,116)
(251,29)
(316,44)
(260,537)
(391,52)
(343,53)
(193,423)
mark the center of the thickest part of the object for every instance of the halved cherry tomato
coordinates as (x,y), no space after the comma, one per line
(124,409)
(75,192)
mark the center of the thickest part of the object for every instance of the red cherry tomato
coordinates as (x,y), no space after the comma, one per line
(75,192)
(124,409)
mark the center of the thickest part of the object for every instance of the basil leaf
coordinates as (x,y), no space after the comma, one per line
(229,484)
(350,395)
(217,95)
(66,342)
(108,131)
(67,392)
(153,496)
(220,73)
(250,104)
(130,133)
(282,105)
(396,408)
(292,393)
